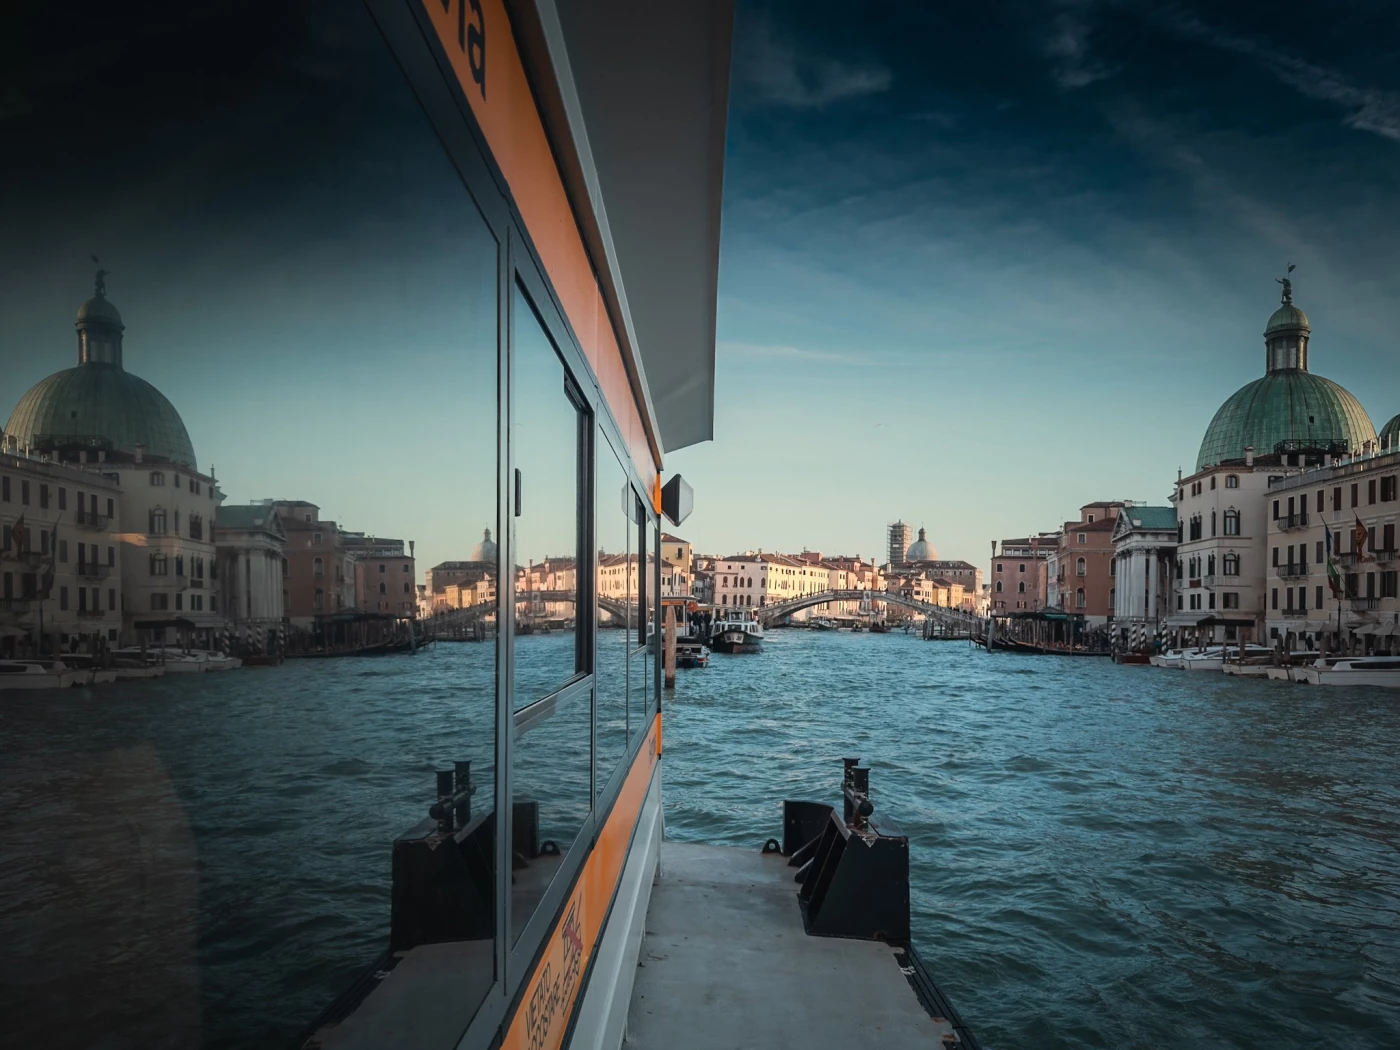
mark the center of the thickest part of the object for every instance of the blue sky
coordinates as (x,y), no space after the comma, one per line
(980,263)
(985,263)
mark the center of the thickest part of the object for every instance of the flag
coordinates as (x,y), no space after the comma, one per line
(17,535)
(1334,578)
(46,581)
(1359,535)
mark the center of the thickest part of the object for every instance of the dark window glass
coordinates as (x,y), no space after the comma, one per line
(551,755)
(267,200)
(613,501)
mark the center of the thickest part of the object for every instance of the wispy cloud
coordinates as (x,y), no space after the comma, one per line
(781,75)
(1073,64)
(1369,109)
(794,353)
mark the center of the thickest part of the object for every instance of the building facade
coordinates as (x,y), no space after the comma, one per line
(250,541)
(1080,574)
(1346,513)
(1018,582)
(384,574)
(1144,549)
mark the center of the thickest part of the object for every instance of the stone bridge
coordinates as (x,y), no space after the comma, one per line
(475,612)
(771,614)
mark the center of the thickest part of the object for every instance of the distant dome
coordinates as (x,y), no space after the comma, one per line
(1390,433)
(486,549)
(99,404)
(921,549)
(1288,403)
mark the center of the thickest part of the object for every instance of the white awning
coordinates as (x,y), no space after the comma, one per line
(637,113)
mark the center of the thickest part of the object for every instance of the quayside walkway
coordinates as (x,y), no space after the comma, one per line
(725,964)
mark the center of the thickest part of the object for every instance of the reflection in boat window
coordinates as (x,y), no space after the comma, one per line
(291,282)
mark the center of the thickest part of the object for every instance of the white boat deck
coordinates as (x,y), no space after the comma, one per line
(725,965)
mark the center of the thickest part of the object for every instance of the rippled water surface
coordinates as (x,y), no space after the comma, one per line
(1102,856)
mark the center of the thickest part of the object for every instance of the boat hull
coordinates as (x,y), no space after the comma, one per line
(736,642)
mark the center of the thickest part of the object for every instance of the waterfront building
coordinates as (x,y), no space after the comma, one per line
(1018,581)
(1080,572)
(1144,551)
(676,567)
(898,537)
(967,575)
(250,541)
(1286,421)
(1302,607)
(384,574)
(758,579)
(59,566)
(702,587)
(482,565)
(315,582)
(101,417)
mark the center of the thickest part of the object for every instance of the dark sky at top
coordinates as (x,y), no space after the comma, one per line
(1040,236)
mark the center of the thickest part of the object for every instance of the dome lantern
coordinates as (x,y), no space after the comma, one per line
(1288,406)
(99,326)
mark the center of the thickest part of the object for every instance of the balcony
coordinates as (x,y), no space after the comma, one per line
(197,584)
(15,606)
(1292,614)
(1385,557)
(1348,558)
(93,572)
(24,557)
(91,614)
(1364,604)
(1208,580)
(88,520)
(1291,570)
(1289,522)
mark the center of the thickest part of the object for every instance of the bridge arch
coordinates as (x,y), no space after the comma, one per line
(771,614)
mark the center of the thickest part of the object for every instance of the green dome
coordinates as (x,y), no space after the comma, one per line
(101,404)
(1285,405)
(1390,433)
(1287,316)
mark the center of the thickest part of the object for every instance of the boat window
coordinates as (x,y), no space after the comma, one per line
(287,253)
(551,753)
(638,677)
(612,503)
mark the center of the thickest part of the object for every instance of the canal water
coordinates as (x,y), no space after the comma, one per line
(1103,856)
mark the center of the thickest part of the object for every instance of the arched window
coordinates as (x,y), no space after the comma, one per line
(1231,565)
(1079,598)
(1112,595)
(724,581)
(1232,481)
(157,478)
(381,588)
(318,567)
(1232,522)
(1079,567)
(998,586)
(320,598)
(1020,587)
(724,599)
(750,581)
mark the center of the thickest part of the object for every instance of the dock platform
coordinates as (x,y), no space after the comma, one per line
(725,964)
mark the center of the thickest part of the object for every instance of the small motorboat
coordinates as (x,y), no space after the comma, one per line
(1355,670)
(179,662)
(219,661)
(1168,658)
(36,674)
(692,655)
(879,628)
(1208,658)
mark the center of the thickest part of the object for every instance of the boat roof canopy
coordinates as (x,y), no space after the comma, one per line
(635,100)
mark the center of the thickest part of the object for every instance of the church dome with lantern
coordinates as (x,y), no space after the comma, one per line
(1288,403)
(98,404)
(921,549)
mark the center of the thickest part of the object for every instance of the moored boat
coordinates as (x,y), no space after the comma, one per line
(692,654)
(36,674)
(1358,670)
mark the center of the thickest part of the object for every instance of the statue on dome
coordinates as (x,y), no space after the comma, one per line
(101,279)
(1287,286)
